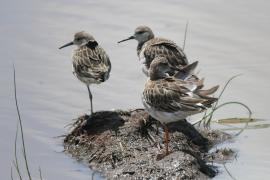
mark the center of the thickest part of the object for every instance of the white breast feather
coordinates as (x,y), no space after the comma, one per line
(142,60)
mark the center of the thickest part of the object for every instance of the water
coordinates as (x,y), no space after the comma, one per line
(227,37)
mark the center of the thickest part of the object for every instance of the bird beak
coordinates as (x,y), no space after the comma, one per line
(68,44)
(131,37)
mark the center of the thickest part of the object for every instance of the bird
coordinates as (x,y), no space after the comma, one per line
(173,98)
(149,47)
(91,64)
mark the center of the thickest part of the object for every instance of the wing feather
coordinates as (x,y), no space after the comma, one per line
(91,63)
(172,95)
(163,47)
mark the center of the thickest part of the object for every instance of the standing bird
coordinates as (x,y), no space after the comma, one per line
(91,64)
(170,98)
(150,47)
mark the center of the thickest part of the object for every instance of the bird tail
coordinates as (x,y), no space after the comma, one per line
(210,100)
(208,91)
(205,95)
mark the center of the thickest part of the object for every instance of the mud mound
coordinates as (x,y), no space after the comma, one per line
(129,145)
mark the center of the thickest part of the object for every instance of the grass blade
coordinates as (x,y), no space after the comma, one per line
(16,164)
(243,105)
(20,123)
(17,169)
(207,124)
(11,174)
(185,36)
(229,173)
(235,102)
(40,174)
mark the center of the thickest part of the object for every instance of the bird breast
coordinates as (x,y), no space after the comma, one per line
(165,117)
(142,60)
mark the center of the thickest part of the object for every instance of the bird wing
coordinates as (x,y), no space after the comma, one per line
(163,47)
(172,95)
(186,72)
(91,63)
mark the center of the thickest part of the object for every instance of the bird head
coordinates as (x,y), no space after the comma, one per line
(159,68)
(142,34)
(80,39)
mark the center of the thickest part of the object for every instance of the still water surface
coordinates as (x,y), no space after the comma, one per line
(227,37)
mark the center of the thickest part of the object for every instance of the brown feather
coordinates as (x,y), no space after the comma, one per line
(91,63)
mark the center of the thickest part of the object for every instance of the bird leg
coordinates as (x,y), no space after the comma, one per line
(90,98)
(166,137)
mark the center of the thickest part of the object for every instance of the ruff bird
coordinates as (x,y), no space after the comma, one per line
(174,98)
(91,64)
(149,47)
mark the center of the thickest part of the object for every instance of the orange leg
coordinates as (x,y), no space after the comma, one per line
(166,137)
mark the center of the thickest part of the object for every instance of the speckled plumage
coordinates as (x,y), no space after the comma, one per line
(169,99)
(161,47)
(149,47)
(91,64)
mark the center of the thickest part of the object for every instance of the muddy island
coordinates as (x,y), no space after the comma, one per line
(129,145)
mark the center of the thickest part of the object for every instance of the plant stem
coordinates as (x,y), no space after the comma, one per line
(20,123)
(185,36)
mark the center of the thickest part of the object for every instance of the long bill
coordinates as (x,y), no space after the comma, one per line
(131,37)
(68,44)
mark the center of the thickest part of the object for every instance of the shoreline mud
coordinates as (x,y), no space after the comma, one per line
(129,145)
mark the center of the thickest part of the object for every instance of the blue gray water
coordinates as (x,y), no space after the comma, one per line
(227,37)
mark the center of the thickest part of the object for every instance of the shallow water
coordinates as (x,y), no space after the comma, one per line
(227,37)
